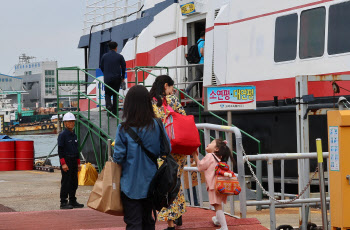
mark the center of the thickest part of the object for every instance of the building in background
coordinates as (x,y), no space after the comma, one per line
(39,80)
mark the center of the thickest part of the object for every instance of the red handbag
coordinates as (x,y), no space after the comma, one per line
(182,132)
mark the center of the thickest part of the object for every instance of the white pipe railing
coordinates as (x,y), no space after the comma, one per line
(217,128)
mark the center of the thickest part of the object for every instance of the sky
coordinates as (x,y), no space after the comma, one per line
(46,29)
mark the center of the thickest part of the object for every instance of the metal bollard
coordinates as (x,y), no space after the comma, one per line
(322,184)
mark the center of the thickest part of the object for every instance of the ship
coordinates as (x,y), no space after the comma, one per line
(34,128)
(265,44)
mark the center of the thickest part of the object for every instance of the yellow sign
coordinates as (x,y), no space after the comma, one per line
(188,8)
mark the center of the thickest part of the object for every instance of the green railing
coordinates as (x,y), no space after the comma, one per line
(97,129)
(258,165)
(82,120)
(200,106)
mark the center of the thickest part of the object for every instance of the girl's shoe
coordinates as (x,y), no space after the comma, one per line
(170,228)
(215,221)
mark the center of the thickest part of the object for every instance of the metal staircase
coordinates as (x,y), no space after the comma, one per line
(97,127)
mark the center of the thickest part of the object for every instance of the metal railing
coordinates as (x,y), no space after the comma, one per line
(300,200)
(148,69)
(296,200)
(85,121)
(98,11)
(144,70)
(206,128)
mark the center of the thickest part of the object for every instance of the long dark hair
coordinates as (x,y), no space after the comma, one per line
(224,151)
(158,90)
(138,111)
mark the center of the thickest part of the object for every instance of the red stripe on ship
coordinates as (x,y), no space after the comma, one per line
(267,14)
(285,88)
(231,102)
(150,58)
(154,56)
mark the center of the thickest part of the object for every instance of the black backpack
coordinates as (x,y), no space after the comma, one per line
(165,184)
(193,56)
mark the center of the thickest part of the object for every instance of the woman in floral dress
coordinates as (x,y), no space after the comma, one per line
(162,94)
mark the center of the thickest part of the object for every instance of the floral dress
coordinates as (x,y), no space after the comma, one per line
(178,207)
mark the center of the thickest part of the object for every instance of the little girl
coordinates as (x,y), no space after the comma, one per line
(217,151)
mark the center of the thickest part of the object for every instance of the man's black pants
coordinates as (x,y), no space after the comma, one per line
(115,84)
(138,214)
(69,181)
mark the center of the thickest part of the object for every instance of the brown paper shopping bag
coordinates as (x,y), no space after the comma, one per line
(105,196)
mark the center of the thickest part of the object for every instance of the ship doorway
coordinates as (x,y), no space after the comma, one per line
(104,48)
(194,30)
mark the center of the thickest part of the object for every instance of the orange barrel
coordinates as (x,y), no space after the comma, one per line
(24,155)
(7,155)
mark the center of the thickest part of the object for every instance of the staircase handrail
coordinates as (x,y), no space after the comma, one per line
(211,113)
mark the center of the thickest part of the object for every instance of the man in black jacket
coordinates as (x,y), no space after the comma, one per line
(70,163)
(113,67)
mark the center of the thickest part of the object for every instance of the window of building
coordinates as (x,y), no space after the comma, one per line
(338,28)
(49,85)
(312,33)
(49,72)
(6,79)
(286,31)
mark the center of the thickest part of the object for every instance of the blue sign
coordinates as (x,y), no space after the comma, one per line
(230,98)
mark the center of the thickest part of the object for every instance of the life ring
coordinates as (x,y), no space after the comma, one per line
(51,126)
(6,128)
(43,127)
(12,129)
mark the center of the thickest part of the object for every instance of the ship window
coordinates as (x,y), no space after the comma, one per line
(103,48)
(286,38)
(338,28)
(312,33)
